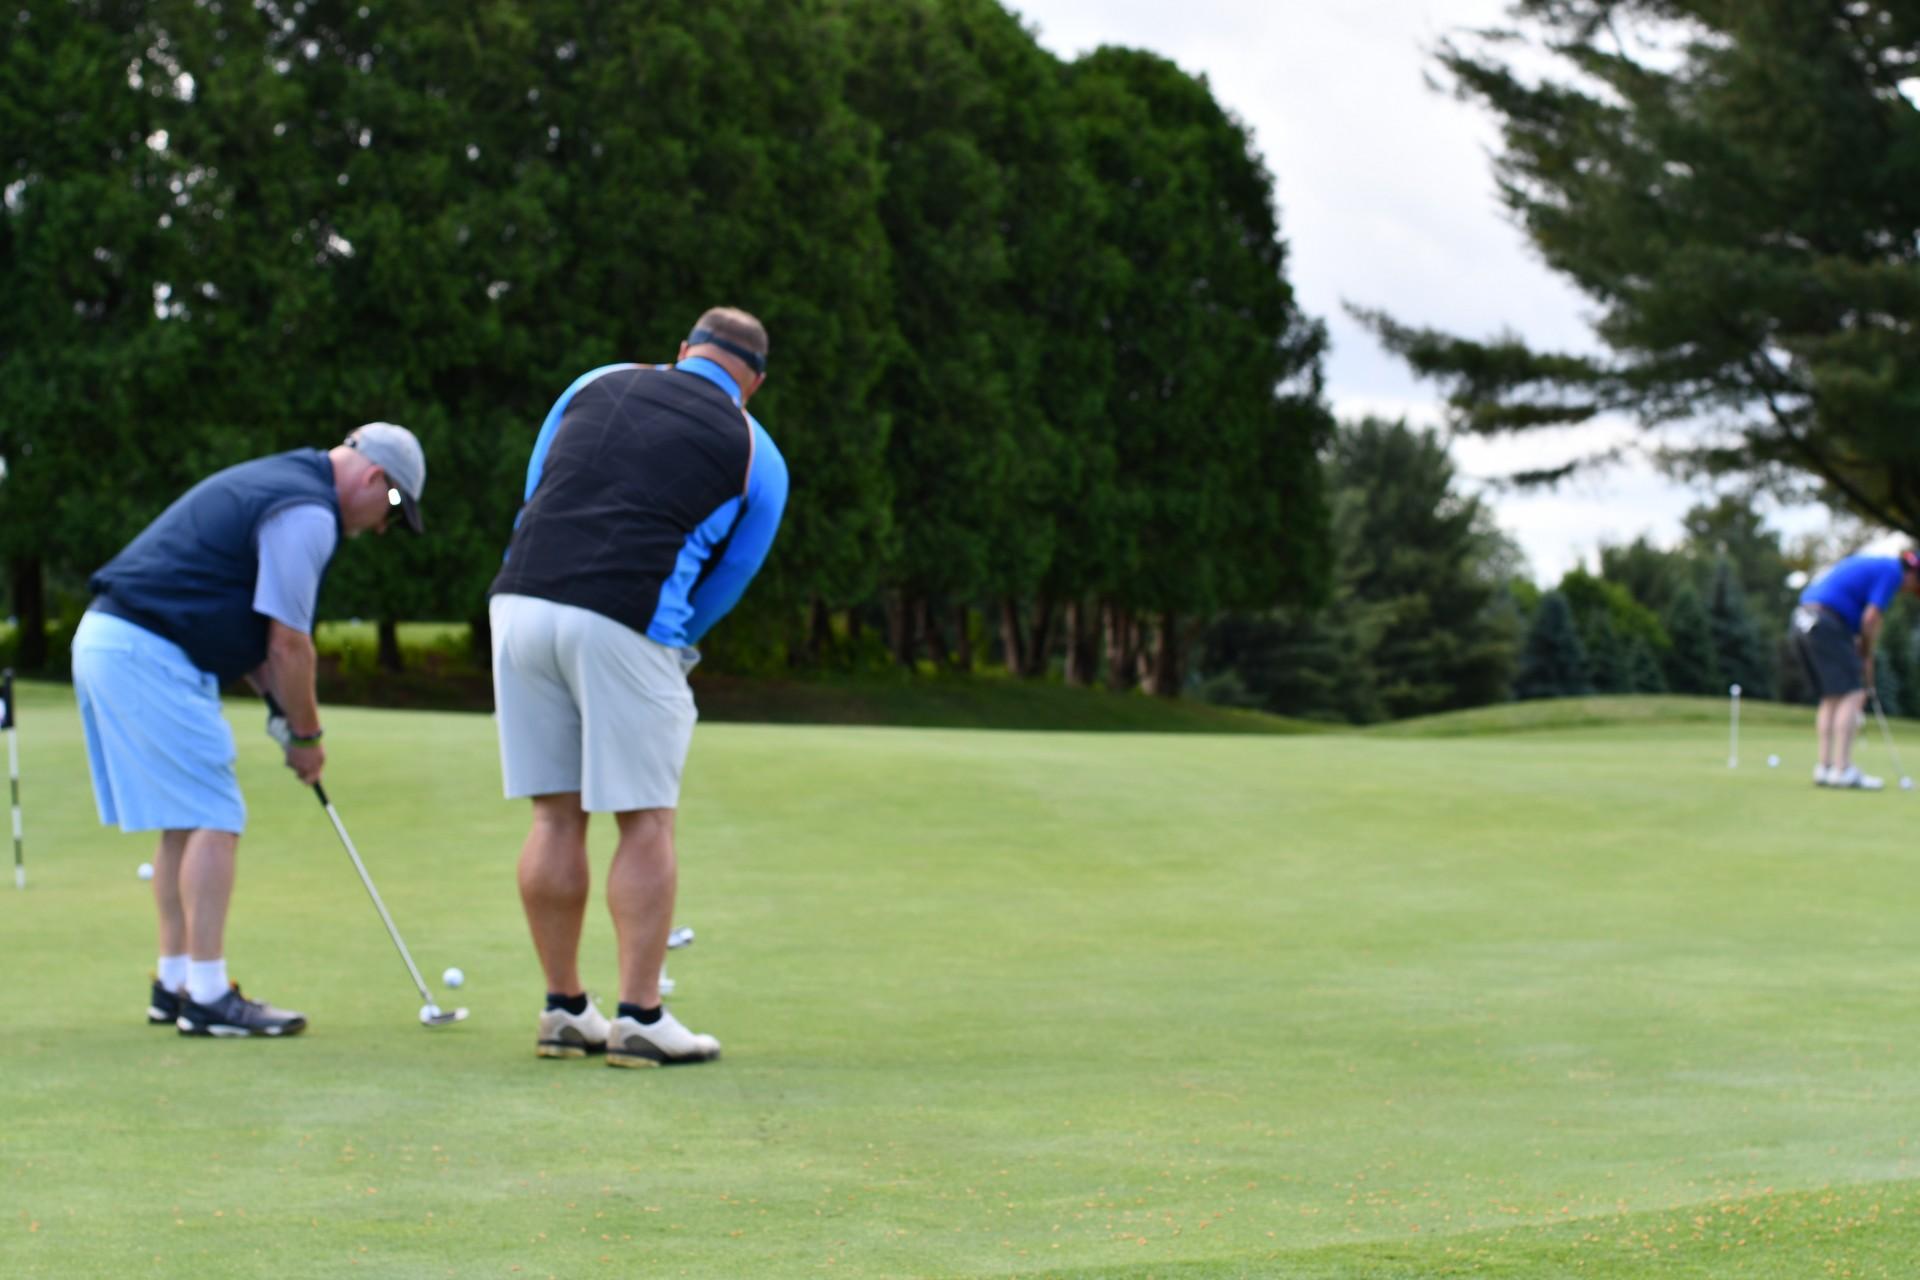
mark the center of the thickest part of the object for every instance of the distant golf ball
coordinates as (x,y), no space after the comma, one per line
(1906,784)
(453,978)
(146,871)
(1773,762)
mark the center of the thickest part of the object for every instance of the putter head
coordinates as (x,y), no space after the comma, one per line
(432,1015)
(681,937)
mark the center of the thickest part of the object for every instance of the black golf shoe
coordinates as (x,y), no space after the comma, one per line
(163,1006)
(233,1015)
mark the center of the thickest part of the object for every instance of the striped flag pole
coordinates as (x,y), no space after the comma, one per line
(13,774)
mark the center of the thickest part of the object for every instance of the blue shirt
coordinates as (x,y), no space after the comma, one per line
(721,554)
(1853,584)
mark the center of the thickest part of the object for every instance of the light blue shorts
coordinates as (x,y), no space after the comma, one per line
(160,751)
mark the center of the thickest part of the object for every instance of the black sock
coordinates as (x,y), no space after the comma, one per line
(575,1005)
(645,1017)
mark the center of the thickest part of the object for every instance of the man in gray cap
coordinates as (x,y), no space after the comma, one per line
(222,585)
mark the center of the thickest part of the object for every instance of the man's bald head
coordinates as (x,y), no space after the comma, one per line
(733,331)
(735,340)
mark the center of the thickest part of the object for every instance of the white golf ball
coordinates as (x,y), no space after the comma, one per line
(1906,784)
(453,978)
(146,871)
(1773,762)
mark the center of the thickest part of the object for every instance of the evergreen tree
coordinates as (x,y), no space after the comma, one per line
(1643,668)
(1691,665)
(1738,652)
(450,213)
(1737,188)
(1553,662)
(1591,598)
(1204,328)
(1420,620)
(961,93)
(1413,546)
(1290,661)
(94,365)
(1894,658)
(1606,656)
(1649,575)
(1732,530)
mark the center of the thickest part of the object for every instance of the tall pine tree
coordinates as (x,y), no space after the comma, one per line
(1691,665)
(1553,662)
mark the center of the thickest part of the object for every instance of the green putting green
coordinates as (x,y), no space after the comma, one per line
(1569,1002)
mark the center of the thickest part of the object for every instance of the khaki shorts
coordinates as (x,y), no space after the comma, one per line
(588,704)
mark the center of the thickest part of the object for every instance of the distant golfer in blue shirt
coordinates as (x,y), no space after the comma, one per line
(652,498)
(1834,631)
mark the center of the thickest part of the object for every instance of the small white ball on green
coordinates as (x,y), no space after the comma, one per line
(146,871)
(453,978)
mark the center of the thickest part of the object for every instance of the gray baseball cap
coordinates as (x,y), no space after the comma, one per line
(395,451)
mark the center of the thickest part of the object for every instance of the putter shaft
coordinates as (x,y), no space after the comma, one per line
(1886,733)
(393,932)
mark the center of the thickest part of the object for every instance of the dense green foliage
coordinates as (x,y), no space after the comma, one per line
(1420,620)
(1553,660)
(1736,186)
(1033,345)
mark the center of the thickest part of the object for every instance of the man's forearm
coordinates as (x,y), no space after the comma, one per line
(1870,618)
(289,674)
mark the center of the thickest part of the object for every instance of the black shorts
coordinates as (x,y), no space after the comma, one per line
(1827,650)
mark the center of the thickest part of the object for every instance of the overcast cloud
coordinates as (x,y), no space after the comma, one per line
(1387,200)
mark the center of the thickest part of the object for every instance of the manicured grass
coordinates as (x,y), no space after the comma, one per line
(1571,1002)
(1628,711)
(980,701)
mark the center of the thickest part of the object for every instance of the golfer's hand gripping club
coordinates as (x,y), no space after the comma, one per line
(305,758)
(277,727)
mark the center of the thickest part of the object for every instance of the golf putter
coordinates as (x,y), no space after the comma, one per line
(431,1014)
(1886,735)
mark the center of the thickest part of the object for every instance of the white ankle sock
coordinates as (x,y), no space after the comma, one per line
(207,980)
(172,972)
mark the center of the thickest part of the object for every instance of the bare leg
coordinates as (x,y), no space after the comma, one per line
(1847,714)
(206,889)
(166,892)
(640,891)
(553,887)
(1823,730)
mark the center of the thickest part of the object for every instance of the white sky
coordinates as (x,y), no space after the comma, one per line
(1387,200)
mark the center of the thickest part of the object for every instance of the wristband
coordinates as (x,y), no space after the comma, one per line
(305,740)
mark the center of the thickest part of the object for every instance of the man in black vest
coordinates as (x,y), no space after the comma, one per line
(222,585)
(652,498)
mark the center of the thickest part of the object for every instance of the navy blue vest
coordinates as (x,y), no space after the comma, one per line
(640,459)
(190,574)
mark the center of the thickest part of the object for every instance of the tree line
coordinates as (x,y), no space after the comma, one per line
(1433,609)
(1037,368)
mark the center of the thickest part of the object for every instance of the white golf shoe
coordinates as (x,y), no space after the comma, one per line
(1852,779)
(572,1035)
(1822,776)
(665,1043)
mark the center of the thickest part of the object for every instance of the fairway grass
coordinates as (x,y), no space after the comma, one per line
(1568,1002)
